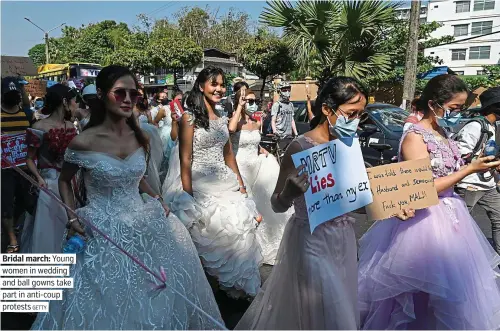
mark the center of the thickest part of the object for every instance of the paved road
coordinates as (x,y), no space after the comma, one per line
(232,310)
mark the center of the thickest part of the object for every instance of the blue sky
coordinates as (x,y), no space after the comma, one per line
(18,35)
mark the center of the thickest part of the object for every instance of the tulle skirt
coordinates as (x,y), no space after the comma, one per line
(313,285)
(222,224)
(260,178)
(45,231)
(111,292)
(435,271)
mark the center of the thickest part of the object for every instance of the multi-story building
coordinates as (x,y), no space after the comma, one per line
(403,13)
(475,24)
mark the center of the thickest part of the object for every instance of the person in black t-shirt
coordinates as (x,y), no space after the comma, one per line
(15,118)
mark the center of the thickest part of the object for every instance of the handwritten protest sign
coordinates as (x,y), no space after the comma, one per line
(36,88)
(338,178)
(14,149)
(401,186)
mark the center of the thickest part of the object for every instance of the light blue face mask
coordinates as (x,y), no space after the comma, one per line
(250,109)
(447,120)
(343,128)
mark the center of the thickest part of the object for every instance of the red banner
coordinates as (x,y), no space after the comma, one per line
(14,149)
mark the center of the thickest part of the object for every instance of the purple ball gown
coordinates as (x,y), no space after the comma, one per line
(435,271)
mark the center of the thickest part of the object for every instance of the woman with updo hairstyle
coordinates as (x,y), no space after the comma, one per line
(47,142)
(432,269)
(111,291)
(313,285)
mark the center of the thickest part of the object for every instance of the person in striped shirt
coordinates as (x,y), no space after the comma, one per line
(14,120)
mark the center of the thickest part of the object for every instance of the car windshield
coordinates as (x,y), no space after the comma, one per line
(393,118)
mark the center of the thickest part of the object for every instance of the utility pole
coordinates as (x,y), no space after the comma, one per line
(411,56)
(46,37)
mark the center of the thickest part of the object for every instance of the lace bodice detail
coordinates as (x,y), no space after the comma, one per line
(111,182)
(444,154)
(208,149)
(246,144)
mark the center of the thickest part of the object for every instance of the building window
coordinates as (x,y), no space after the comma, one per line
(479,28)
(460,30)
(460,73)
(462,7)
(481,72)
(458,54)
(484,5)
(422,20)
(479,52)
(423,10)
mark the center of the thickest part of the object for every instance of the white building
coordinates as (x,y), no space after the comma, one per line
(403,13)
(473,24)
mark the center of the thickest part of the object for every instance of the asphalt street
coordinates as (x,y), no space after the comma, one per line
(232,310)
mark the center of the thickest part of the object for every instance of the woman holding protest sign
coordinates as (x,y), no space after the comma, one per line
(47,142)
(313,285)
(436,270)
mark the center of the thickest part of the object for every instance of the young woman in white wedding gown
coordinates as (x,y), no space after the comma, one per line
(259,170)
(207,192)
(111,292)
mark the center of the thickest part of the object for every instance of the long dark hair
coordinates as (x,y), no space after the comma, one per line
(440,89)
(335,92)
(105,81)
(55,97)
(196,100)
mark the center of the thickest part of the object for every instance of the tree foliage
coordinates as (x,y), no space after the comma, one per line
(266,56)
(344,36)
(37,54)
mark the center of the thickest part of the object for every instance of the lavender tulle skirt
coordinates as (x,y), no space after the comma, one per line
(313,283)
(436,271)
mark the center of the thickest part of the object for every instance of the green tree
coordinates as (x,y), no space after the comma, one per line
(37,54)
(344,36)
(175,53)
(226,33)
(266,56)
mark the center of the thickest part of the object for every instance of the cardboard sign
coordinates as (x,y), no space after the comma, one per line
(401,186)
(18,66)
(338,178)
(14,149)
(36,88)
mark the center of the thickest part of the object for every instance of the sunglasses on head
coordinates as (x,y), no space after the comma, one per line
(121,94)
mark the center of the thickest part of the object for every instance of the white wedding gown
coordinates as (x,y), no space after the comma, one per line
(260,174)
(111,292)
(221,220)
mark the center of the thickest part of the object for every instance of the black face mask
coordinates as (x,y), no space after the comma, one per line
(164,102)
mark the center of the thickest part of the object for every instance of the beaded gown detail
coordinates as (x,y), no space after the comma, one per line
(111,292)
(260,173)
(435,271)
(220,219)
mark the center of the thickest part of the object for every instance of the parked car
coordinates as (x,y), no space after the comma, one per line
(381,124)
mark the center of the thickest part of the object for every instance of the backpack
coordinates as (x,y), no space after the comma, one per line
(485,136)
